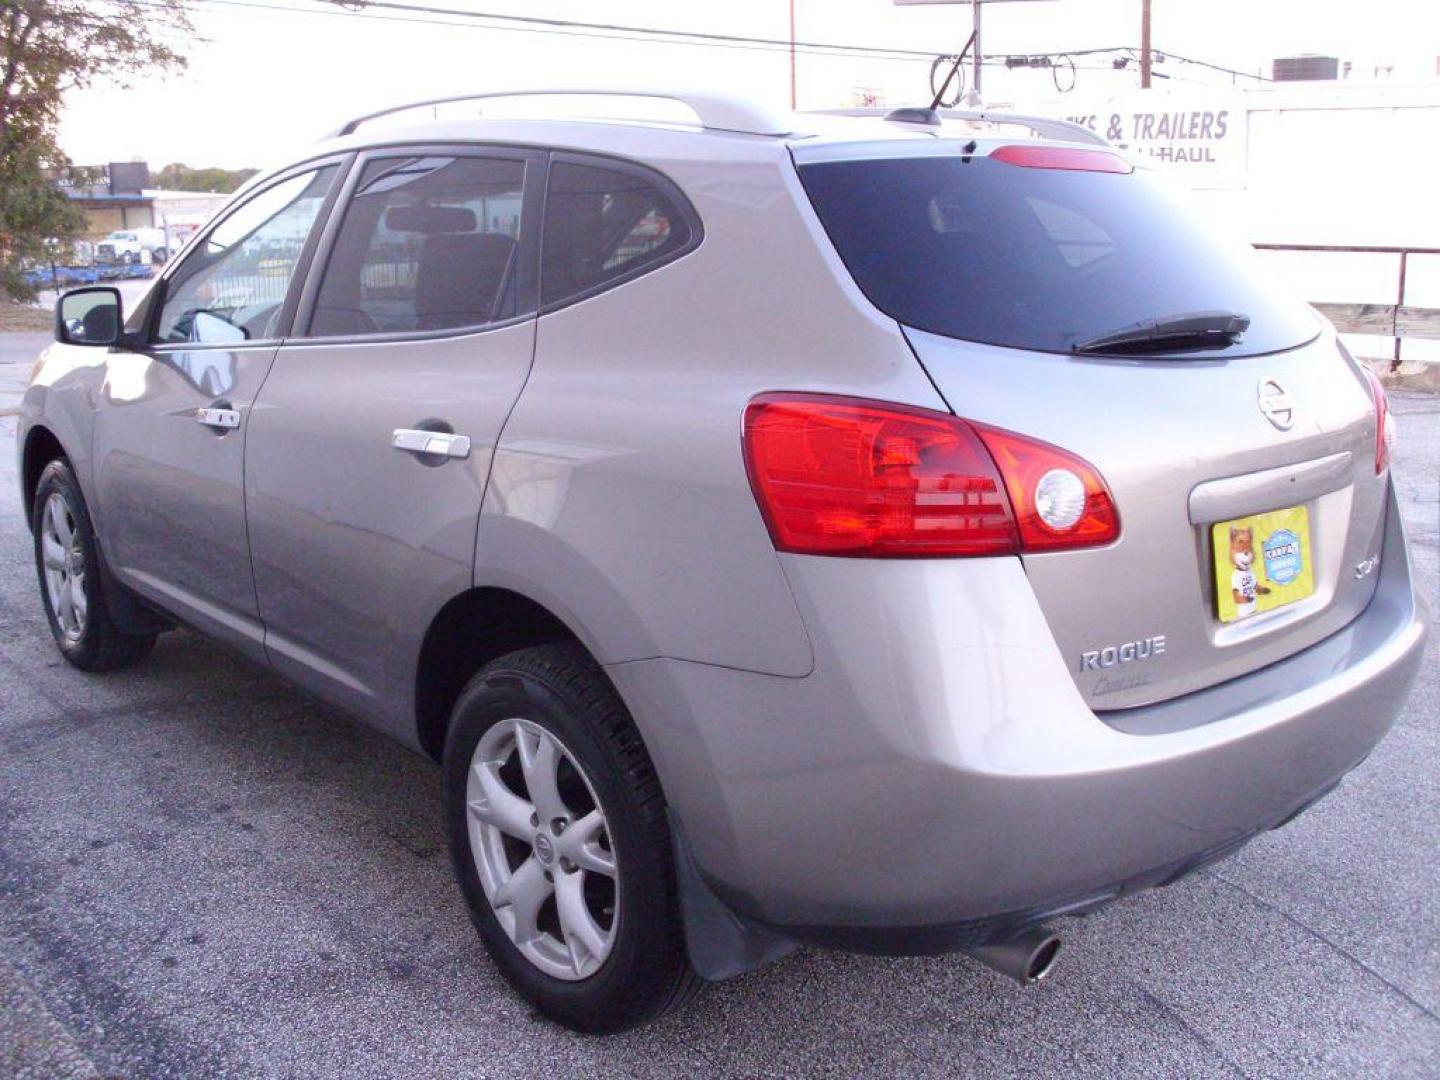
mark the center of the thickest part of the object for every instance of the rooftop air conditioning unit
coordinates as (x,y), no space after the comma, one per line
(1306,68)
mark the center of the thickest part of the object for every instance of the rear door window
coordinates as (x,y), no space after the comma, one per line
(427,244)
(608,224)
(1038,258)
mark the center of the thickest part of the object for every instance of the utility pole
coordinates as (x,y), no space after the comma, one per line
(975,58)
(793,104)
(1144,44)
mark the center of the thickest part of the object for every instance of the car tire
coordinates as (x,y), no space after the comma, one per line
(557,696)
(67,562)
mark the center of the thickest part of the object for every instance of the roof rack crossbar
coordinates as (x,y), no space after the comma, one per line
(1047,127)
(716,112)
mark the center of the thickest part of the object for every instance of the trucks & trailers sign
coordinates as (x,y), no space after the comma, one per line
(1199,140)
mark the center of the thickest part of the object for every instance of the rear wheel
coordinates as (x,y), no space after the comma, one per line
(68,563)
(560,840)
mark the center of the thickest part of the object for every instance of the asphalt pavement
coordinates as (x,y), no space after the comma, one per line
(202,873)
(18,351)
(17,358)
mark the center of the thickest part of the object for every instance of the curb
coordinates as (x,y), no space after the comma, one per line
(1412,375)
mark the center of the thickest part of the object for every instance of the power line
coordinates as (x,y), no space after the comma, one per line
(428,15)
(575,24)
(652,31)
(640,35)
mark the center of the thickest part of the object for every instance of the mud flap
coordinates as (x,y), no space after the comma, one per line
(721,943)
(128,612)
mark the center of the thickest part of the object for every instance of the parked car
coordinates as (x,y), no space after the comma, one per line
(890,533)
(132,246)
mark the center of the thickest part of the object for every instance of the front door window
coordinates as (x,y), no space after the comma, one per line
(232,287)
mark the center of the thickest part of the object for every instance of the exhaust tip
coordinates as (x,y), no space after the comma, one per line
(1028,958)
(1042,961)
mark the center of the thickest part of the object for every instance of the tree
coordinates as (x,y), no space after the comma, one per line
(178,176)
(48,48)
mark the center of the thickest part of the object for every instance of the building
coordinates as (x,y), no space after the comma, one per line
(112,196)
(119,196)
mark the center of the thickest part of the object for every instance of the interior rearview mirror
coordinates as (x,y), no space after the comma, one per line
(89,316)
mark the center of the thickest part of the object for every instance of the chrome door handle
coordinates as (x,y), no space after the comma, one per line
(218,418)
(439,443)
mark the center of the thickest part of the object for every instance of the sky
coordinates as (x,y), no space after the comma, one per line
(267,77)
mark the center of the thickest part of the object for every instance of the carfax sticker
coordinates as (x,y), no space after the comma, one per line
(1262,562)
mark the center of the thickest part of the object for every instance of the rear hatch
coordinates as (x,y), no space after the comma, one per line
(1243,464)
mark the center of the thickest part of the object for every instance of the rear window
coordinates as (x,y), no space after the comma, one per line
(1038,258)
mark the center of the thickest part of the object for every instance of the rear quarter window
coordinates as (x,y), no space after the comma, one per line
(605,225)
(1035,258)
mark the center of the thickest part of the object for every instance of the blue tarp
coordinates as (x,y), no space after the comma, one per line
(65,276)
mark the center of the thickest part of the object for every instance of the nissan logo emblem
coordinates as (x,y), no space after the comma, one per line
(1276,403)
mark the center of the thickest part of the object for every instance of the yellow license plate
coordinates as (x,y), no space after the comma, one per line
(1262,562)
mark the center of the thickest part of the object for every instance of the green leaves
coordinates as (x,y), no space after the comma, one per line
(180,177)
(48,47)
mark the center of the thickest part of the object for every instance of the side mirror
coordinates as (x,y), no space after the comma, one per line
(89,316)
(209,329)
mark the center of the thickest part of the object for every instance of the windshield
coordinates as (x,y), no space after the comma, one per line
(1038,258)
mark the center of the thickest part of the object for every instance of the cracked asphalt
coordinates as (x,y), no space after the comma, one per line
(202,873)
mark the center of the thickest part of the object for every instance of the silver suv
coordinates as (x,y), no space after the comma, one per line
(890,533)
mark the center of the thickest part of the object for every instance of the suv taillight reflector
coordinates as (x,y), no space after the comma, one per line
(845,476)
(1384,421)
(1061,157)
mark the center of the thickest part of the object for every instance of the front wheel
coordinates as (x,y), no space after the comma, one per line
(560,841)
(68,563)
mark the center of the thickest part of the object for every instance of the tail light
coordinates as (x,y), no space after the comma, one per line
(1384,422)
(844,476)
(1060,500)
(1040,156)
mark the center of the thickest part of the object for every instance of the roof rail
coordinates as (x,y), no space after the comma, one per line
(716,112)
(1047,127)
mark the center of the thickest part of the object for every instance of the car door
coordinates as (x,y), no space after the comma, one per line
(171,419)
(370,444)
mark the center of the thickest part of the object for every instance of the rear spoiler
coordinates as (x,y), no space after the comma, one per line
(1047,127)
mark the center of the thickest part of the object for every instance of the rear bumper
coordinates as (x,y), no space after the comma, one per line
(937,781)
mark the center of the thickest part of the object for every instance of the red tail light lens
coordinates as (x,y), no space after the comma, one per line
(1384,422)
(1061,157)
(1060,500)
(841,476)
(844,476)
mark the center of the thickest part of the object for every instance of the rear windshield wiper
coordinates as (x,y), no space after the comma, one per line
(1196,329)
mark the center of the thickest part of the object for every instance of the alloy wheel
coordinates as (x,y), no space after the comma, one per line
(542,849)
(63,555)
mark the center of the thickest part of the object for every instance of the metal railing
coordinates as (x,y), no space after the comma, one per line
(1398,320)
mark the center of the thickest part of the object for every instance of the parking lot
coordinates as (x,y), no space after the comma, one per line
(203,873)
